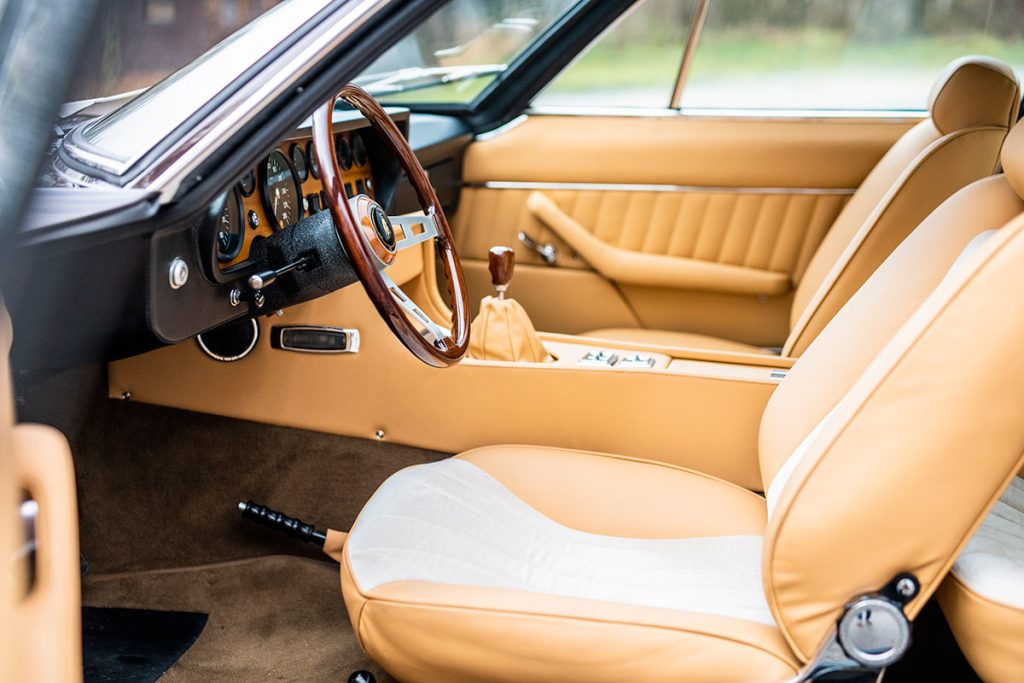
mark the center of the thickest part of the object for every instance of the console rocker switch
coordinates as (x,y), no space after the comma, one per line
(315,339)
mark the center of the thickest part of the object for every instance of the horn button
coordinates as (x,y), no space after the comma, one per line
(376,228)
(382,226)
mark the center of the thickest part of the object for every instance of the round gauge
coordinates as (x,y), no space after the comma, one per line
(248,183)
(358,150)
(343,151)
(282,197)
(230,231)
(314,166)
(299,162)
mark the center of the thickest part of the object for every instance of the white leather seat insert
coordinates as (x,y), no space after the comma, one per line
(992,564)
(451,522)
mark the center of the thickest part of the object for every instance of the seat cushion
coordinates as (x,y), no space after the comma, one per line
(676,339)
(452,556)
(983,597)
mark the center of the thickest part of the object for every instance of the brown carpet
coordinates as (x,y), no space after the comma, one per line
(157,487)
(271,618)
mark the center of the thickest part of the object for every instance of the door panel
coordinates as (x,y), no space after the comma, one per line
(722,197)
(40,604)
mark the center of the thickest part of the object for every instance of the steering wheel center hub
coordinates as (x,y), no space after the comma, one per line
(383,227)
(376,229)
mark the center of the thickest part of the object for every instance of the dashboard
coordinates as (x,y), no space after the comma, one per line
(115,250)
(282,189)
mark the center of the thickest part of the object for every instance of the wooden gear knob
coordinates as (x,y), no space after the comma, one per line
(501,261)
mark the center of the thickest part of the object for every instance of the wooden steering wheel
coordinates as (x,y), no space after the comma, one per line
(369,237)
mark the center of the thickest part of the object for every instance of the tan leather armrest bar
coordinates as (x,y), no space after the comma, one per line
(655,270)
(677,353)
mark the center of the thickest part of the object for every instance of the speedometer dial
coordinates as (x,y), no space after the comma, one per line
(281,193)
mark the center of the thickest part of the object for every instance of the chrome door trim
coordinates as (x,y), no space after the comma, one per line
(645,187)
(786,115)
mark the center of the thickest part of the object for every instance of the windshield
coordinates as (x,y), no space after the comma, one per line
(139,42)
(120,138)
(460,50)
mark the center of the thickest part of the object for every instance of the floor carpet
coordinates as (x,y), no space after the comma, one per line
(270,618)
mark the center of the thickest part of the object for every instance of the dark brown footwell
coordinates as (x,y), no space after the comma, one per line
(271,618)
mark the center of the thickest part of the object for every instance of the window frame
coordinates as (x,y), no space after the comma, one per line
(675,107)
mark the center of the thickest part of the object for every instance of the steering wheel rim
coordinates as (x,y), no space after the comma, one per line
(368,235)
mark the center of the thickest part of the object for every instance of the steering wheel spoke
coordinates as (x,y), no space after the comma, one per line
(415,229)
(433,332)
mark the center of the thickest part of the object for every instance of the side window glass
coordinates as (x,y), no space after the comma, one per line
(634,64)
(841,55)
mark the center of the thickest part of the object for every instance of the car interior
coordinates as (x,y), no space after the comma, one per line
(388,391)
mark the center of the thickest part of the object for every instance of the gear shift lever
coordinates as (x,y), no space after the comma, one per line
(502,330)
(502,263)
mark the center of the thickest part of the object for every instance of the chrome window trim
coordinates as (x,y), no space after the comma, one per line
(171,167)
(700,14)
(881,115)
(652,187)
(169,170)
(115,142)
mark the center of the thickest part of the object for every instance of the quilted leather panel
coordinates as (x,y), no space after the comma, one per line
(771,231)
(450,522)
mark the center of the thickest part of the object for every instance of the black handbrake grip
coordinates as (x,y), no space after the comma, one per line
(278,521)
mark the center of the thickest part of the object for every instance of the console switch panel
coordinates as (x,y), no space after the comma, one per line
(636,360)
(599,359)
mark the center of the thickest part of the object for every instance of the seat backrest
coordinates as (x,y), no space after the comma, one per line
(900,425)
(971,107)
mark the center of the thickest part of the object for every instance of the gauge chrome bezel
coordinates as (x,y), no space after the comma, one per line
(268,207)
(302,174)
(235,195)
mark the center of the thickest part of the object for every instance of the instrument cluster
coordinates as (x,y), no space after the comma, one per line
(284,188)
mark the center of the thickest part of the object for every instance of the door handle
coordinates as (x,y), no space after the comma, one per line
(547,251)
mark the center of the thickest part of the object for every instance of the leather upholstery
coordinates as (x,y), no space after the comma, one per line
(974,92)
(983,596)
(910,416)
(858,333)
(723,160)
(502,331)
(676,502)
(723,265)
(905,410)
(429,631)
(975,102)
(989,632)
(40,625)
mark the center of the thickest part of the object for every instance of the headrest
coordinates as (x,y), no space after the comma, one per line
(1012,159)
(974,91)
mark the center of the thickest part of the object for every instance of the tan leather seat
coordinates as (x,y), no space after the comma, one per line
(523,563)
(983,596)
(971,107)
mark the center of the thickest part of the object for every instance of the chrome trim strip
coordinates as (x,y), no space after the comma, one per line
(352,340)
(231,359)
(487,135)
(700,13)
(643,187)
(169,171)
(804,115)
